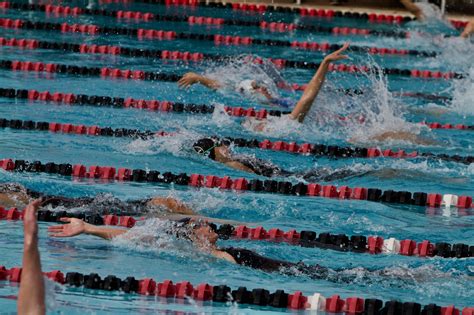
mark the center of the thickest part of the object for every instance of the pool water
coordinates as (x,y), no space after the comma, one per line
(431,280)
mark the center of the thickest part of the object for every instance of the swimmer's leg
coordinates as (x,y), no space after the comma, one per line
(171,204)
(404,136)
(327,175)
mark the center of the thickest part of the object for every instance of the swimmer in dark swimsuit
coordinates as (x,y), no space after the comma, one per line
(220,152)
(202,235)
(204,238)
(15,195)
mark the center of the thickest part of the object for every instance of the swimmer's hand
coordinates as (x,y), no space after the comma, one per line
(76,227)
(336,55)
(188,79)
(73,228)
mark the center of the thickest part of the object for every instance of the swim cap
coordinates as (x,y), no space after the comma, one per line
(184,227)
(206,146)
(181,229)
(245,87)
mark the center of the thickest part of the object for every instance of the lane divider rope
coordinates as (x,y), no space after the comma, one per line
(198,57)
(223,293)
(108,173)
(167,106)
(219,39)
(58,10)
(307,12)
(308,149)
(105,72)
(338,242)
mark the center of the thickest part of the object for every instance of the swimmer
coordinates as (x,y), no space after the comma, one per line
(204,238)
(253,88)
(468,30)
(413,9)
(15,195)
(220,152)
(31,296)
(306,101)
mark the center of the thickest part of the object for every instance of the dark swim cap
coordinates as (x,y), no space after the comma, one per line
(184,227)
(206,146)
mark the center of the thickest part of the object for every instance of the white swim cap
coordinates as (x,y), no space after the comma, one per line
(245,87)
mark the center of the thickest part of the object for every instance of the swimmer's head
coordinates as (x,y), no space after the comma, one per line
(198,231)
(254,89)
(206,146)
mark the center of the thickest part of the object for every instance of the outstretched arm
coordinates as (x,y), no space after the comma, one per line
(468,30)
(31,295)
(413,8)
(76,227)
(314,86)
(192,78)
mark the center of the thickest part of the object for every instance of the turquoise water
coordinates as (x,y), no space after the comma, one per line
(432,280)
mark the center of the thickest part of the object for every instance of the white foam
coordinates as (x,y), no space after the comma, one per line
(463,92)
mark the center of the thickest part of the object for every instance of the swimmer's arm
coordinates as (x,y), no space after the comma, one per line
(31,295)
(173,205)
(192,78)
(413,8)
(103,232)
(76,227)
(239,166)
(403,136)
(314,86)
(469,29)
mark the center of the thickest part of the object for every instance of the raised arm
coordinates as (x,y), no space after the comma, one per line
(413,8)
(192,78)
(314,86)
(31,295)
(76,227)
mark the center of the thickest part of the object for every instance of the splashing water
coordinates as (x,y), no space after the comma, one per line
(337,116)
(153,235)
(463,94)
(176,144)
(236,70)
(50,288)
(433,21)
(430,11)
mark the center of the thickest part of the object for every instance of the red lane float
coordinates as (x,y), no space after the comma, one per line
(261,114)
(313,189)
(237,40)
(222,293)
(341,242)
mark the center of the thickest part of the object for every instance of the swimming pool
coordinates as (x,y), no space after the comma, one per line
(423,280)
